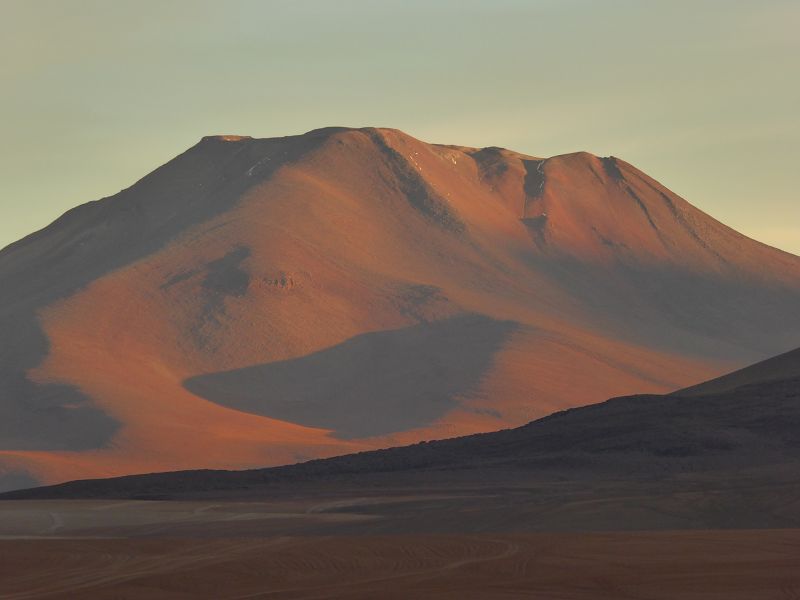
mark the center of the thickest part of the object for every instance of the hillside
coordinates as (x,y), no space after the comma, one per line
(259,302)
(707,443)
(782,367)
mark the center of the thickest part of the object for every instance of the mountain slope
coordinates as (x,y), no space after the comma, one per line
(751,432)
(259,302)
(784,366)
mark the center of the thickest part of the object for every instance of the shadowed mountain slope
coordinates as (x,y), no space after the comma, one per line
(785,366)
(233,308)
(751,431)
(416,372)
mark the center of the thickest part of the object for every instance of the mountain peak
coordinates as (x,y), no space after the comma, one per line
(225,138)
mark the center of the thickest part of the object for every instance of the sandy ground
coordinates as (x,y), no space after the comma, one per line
(323,548)
(725,565)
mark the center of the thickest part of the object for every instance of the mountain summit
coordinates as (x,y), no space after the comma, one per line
(258,302)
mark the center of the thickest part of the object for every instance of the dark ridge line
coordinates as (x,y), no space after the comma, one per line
(679,216)
(612,168)
(644,209)
(415,189)
(533,185)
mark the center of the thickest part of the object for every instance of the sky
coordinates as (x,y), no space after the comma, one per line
(702,95)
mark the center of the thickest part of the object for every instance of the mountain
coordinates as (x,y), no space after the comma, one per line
(783,367)
(725,459)
(259,302)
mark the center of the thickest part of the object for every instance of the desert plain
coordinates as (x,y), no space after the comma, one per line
(371,547)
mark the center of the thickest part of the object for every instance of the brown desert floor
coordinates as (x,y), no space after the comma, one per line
(323,547)
(699,564)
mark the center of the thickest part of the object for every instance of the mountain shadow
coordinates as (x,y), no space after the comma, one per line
(407,378)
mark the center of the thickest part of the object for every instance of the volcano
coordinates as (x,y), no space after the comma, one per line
(259,302)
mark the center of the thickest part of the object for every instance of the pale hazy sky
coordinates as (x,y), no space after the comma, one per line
(704,95)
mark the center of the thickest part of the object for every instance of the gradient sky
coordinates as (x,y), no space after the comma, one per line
(703,95)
